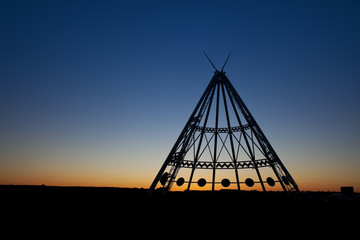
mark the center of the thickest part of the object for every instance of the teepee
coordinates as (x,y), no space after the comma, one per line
(222,146)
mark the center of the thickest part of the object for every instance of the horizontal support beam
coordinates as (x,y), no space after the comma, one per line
(222,165)
(222,130)
(174,181)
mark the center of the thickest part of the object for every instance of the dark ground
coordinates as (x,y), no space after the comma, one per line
(135,211)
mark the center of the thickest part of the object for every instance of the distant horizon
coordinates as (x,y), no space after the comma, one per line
(334,189)
(195,190)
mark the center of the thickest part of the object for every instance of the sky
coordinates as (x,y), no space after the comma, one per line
(95,93)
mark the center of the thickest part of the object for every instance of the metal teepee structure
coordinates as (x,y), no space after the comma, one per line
(222,146)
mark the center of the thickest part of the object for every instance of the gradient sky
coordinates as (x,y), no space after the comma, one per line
(95,93)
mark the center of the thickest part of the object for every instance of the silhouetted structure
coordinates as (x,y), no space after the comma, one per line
(222,137)
(349,190)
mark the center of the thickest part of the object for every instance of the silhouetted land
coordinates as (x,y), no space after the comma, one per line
(205,210)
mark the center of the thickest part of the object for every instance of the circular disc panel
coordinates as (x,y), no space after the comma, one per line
(164,178)
(270,181)
(225,182)
(249,182)
(180,181)
(201,182)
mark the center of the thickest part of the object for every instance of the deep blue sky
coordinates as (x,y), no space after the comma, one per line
(96,92)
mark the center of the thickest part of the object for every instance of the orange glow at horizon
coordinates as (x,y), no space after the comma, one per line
(132,177)
(145,183)
(87,170)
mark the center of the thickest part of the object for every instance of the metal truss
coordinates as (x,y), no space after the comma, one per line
(222,165)
(203,144)
(222,130)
